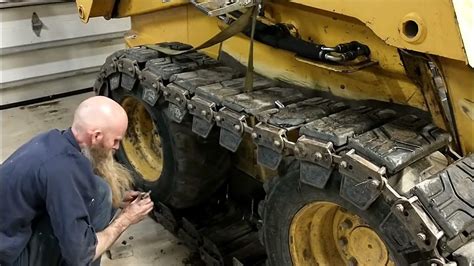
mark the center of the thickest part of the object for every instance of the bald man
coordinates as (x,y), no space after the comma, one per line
(59,189)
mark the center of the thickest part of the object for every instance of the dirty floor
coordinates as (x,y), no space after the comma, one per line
(146,243)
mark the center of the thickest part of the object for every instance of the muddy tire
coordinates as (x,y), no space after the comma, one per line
(192,167)
(287,197)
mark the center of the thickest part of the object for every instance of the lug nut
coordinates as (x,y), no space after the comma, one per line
(218,118)
(203,113)
(165,93)
(277,143)
(342,241)
(237,127)
(254,135)
(178,99)
(343,164)
(154,85)
(190,106)
(346,224)
(130,69)
(421,236)
(352,262)
(399,207)
(140,77)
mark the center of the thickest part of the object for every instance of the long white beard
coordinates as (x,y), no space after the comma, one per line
(116,175)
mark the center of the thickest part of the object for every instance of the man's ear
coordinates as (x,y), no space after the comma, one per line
(97,137)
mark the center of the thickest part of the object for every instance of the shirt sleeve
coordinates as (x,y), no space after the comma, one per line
(65,183)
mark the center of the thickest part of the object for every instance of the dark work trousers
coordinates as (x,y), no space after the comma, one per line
(43,247)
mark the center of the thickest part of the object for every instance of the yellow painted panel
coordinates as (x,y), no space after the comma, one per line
(460,81)
(435,18)
(94,8)
(181,24)
(165,25)
(137,7)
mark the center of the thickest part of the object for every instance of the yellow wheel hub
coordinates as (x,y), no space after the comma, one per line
(142,143)
(323,233)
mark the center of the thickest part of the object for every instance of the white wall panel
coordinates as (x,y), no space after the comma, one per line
(65,49)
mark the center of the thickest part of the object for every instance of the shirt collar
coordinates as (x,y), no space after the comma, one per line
(70,137)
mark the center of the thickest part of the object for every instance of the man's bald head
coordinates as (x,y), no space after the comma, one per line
(99,121)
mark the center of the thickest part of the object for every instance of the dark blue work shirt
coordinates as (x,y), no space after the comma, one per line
(48,175)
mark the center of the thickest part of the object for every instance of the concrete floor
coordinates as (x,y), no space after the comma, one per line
(148,241)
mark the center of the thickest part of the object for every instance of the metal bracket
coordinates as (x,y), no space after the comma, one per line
(418,223)
(151,87)
(311,150)
(99,83)
(111,67)
(232,126)
(175,113)
(316,161)
(177,97)
(130,69)
(203,112)
(362,181)
(114,80)
(214,8)
(270,142)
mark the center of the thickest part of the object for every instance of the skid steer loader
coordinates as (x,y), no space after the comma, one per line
(301,132)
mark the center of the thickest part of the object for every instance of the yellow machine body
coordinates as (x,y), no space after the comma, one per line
(384,26)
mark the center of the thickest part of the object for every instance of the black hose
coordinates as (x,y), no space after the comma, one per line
(279,36)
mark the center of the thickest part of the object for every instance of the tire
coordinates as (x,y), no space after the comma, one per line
(193,168)
(287,196)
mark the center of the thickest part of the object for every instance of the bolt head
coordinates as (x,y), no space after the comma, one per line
(178,99)
(130,69)
(318,156)
(421,236)
(190,106)
(203,112)
(254,135)
(343,164)
(140,77)
(277,143)
(218,118)
(154,85)
(399,207)
(112,65)
(237,127)
(375,183)
(165,93)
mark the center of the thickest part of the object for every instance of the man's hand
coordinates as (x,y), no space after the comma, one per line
(129,197)
(137,210)
(132,214)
